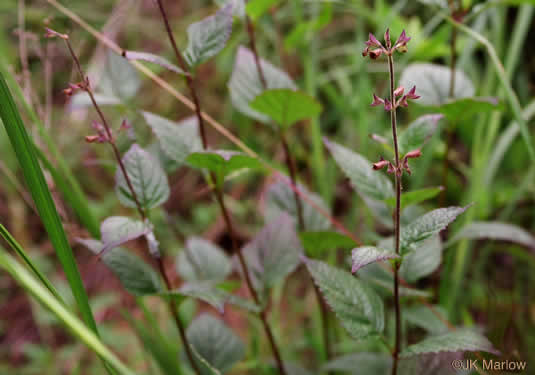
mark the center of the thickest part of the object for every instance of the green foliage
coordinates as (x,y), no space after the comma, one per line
(201,260)
(155,59)
(368,363)
(495,231)
(358,307)
(286,107)
(418,132)
(460,110)
(415,196)
(364,255)
(458,340)
(215,343)
(429,318)
(147,177)
(319,242)
(256,8)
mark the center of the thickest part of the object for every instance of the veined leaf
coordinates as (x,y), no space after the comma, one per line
(238,6)
(280,199)
(222,162)
(358,307)
(460,340)
(215,343)
(425,226)
(273,253)
(155,59)
(208,37)
(177,140)
(285,106)
(117,230)
(136,276)
(361,363)
(433,83)
(316,243)
(360,172)
(362,256)
(460,110)
(257,8)
(418,133)
(423,317)
(147,177)
(495,230)
(245,83)
(202,260)
(415,196)
(120,79)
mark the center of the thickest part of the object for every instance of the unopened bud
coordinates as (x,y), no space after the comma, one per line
(380,164)
(49,33)
(413,154)
(92,138)
(399,91)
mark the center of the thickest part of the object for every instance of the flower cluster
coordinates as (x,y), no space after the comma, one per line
(399,99)
(375,49)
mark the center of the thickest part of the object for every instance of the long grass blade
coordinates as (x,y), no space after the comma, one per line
(41,294)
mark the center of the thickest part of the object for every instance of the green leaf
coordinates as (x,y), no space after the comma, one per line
(35,181)
(202,260)
(222,162)
(319,242)
(215,343)
(147,177)
(68,319)
(362,256)
(415,196)
(495,230)
(457,111)
(177,140)
(433,83)
(360,172)
(460,340)
(155,59)
(432,364)
(136,276)
(418,133)
(238,6)
(117,230)
(357,306)
(360,364)
(273,253)
(425,226)
(280,198)
(120,80)
(209,36)
(257,8)
(245,83)
(423,317)
(285,106)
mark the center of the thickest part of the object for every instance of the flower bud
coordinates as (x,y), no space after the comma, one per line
(380,164)
(399,91)
(377,101)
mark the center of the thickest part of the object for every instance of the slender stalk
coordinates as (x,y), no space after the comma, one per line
(172,307)
(219,194)
(397,176)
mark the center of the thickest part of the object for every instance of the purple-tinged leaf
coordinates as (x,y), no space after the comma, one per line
(118,230)
(362,256)
(155,59)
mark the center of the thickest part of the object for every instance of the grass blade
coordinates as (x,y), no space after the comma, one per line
(25,279)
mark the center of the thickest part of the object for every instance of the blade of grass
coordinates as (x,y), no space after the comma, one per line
(12,242)
(63,176)
(35,180)
(41,294)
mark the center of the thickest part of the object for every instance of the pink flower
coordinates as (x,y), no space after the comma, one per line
(377,101)
(401,43)
(388,105)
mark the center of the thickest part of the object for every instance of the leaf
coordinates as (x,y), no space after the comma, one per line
(178,140)
(285,106)
(222,162)
(425,226)
(422,261)
(459,110)
(273,253)
(238,6)
(37,186)
(418,133)
(215,343)
(495,230)
(433,83)
(316,243)
(202,260)
(245,83)
(358,307)
(362,256)
(117,230)
(155,59)
(147,177)
(280,198)
(257,8)
(460,340)
(136,276)
(360,172)
(120,80)
(432,364)
(208,37)
(423,317)
(66,317)
(361,363)
(415,196)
